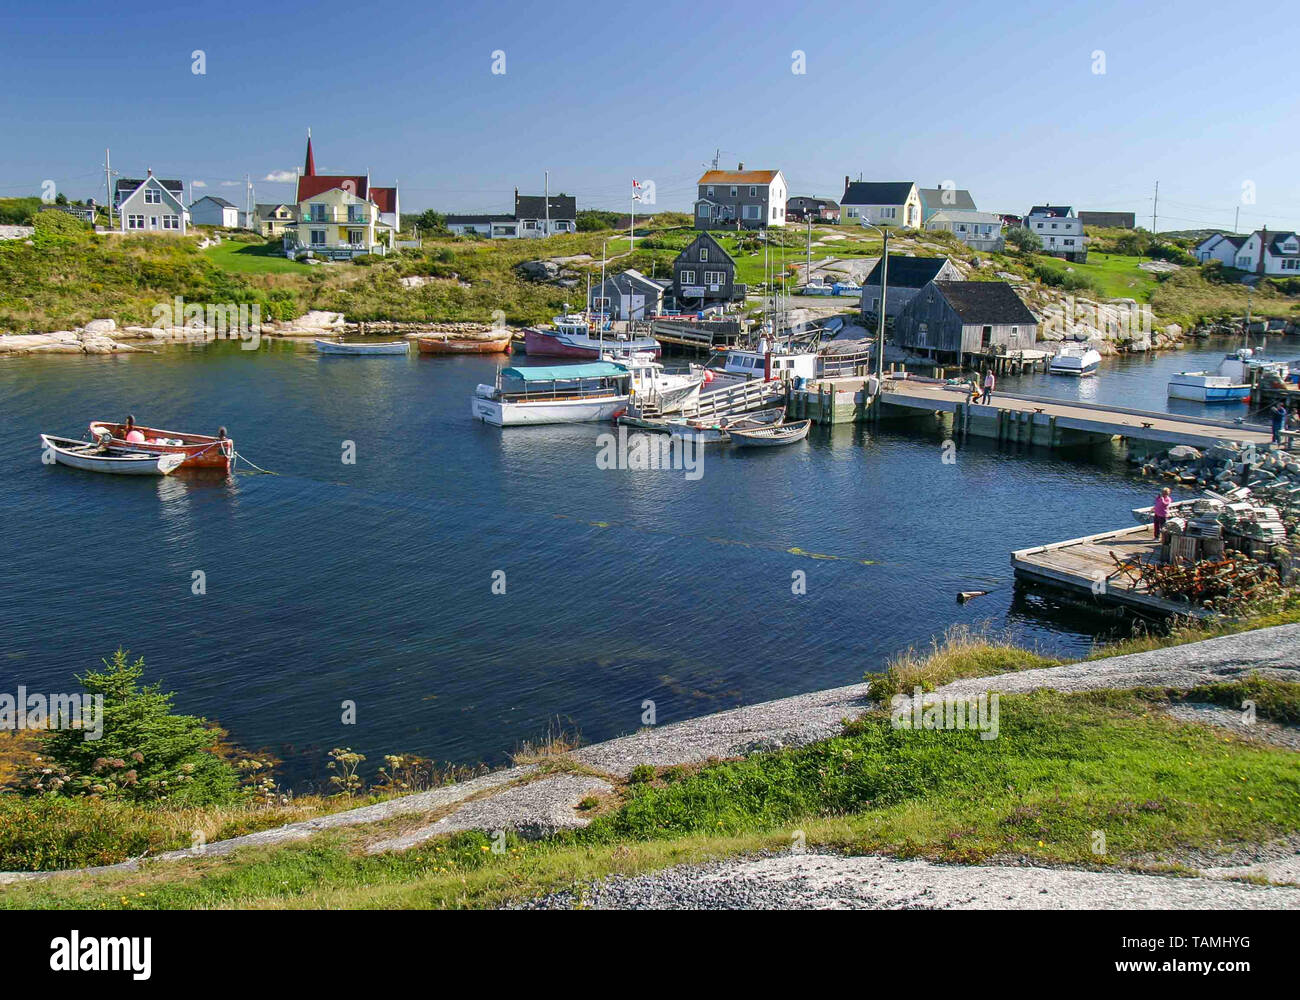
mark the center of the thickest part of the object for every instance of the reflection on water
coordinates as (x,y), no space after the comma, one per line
(371,581)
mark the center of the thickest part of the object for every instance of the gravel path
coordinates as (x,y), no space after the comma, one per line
(833,882)
(1231,719)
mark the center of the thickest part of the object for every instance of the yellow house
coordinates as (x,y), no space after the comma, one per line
(336,223)
(274,219)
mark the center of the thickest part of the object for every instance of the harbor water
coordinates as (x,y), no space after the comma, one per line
(271,602)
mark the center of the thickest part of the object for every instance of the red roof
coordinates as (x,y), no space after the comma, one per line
(309,187)
(385,198)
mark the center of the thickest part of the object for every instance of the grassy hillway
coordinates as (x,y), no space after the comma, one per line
(1165,792)
(69,275)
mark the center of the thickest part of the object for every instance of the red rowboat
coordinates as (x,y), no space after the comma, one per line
(200,450)
(446,345)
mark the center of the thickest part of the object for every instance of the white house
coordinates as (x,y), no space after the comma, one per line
(535,216)
(1059,231)
(978,230)
(213,211)
(1267,253)
(151,205)
(881,203)
(1222,247)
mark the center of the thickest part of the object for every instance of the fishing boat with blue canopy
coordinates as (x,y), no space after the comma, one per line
(554,394)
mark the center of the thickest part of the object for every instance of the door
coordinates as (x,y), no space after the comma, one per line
(153,222)
(986,337)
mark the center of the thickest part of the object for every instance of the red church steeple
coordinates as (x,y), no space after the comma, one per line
(309,168)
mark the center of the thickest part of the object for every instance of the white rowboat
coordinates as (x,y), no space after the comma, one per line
(114,461)
(770,437)
(338,347)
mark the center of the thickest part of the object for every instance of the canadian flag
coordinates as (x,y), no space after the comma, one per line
(636,189)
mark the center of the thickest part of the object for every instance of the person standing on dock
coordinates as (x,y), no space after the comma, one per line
(989,383)
(1278,412)
(1162,510)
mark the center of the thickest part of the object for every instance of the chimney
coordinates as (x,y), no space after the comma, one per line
(1263,247)
(150,174)
(846,182)
(740,165)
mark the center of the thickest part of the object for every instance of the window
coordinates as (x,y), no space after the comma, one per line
(703,212)
(753,192)
(1053,225)
(733,192)
(356,213)
(171,222)
(753,211)
(152,196)
(1069,243)
(135,222)
(318,214)
(687,277)
(704,255)
(715,277)
(357,237)
(708,191)
(600,302)
(1040,225)
(889,213)
(853,213)
(318,237)
(530,224)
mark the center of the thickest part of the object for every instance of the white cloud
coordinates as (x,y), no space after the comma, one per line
(280,176)
(232,184)
(198,184)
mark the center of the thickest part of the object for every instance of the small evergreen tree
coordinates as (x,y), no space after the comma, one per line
(146,752)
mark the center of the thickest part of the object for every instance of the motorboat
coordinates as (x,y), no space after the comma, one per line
(553,394)
(573,336)
(1075,359)
(1229,383)
(652,386)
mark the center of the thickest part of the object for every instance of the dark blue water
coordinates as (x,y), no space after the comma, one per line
(372,582)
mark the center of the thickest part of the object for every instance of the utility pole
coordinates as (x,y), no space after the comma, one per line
(547,199)
(1154,204)
(1236,220)
(880,337)
(631,233)
(807,274)
(248,201)
(108,187)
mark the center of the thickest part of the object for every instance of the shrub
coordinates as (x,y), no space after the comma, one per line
(146,752)
(1021,239)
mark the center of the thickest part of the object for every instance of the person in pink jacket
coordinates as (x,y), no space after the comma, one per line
(1162,509)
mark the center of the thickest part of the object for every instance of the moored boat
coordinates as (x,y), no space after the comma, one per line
(1229,383)
(1075,359)
(653,387)
(769,437)
(574,337)
(718,430)
(554,394)
(198,451)
(450,344)
(103,458)
(339,347)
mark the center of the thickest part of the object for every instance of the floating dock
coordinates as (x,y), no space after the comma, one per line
(1099,567)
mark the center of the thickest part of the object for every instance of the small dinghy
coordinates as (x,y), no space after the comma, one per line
(449,344)
(114,461)
(338,347)
(769,437)
(719,430)
(200,451)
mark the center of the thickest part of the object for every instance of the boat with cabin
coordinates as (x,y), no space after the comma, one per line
(653,387)
(575,336)
(1229,383)
(553,394)
(197,451)
(1075,359)
(99,457)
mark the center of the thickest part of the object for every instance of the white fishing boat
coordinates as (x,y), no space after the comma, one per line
(770,361)
(769,437)
(654,387)
(574,336)
(339,347)
(1229,383)
(1075,359)
(818,286)
(717,430)
(554,394)
(107,459)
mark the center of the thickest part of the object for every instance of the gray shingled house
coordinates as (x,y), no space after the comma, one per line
(704,274)
(950,319)
(907,276)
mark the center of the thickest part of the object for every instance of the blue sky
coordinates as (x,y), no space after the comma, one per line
(1004,102)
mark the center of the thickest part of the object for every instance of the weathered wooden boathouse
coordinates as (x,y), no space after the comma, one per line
(954,320)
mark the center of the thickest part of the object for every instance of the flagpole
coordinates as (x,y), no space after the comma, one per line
(632,231)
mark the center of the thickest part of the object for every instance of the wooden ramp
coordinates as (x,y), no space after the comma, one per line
(1093,565)
(1043,417)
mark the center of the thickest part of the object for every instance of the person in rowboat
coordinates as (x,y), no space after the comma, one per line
(130,432)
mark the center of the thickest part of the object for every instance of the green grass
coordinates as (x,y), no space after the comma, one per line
(1114,276)
(253,258)
(962,652)
(1062,767)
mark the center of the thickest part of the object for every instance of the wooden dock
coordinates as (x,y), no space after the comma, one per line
(1055,423)
(1089,566)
